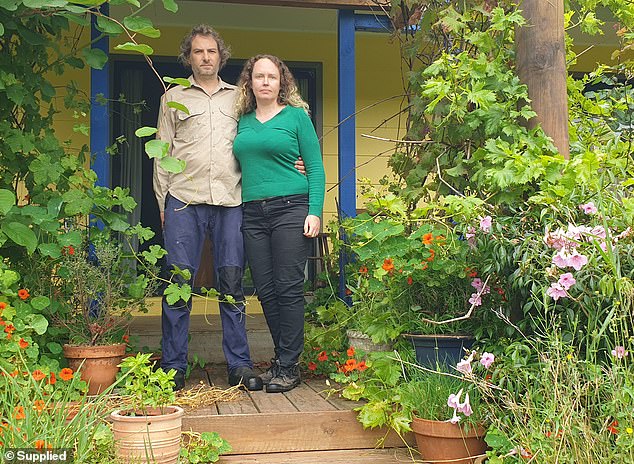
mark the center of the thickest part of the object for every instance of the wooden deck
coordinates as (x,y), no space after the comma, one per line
(300,426)
(303,426)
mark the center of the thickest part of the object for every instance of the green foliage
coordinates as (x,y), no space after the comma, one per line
(145,385)
(204,447)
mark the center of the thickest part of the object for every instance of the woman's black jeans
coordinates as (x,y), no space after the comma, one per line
(277,252)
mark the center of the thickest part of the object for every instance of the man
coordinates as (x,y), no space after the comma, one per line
(204,200)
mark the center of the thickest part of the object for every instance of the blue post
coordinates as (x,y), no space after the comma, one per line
(347,129)
(99,112)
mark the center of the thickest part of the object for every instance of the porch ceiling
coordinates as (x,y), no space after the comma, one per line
(355,4)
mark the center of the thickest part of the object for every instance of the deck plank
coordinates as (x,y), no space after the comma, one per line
(304,398)
(271,402)
(358,456)
(320,387)
(298,431)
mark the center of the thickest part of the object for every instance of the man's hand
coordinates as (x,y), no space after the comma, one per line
(311,226)
(162,219)
(299,165)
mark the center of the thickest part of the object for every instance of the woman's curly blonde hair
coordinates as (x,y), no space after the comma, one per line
(289,94)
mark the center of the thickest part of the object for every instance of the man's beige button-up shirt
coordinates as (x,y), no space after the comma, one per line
(204,140)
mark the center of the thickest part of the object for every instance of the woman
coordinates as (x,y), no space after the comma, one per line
(282,207)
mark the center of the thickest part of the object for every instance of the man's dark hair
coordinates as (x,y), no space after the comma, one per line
(204,30)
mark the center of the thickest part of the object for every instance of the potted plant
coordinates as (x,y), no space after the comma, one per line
(414,274)
(101,290)
(440,407)
(149,430)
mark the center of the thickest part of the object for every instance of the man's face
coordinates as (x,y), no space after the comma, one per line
(204,57)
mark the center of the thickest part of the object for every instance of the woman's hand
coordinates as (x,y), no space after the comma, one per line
(311,226)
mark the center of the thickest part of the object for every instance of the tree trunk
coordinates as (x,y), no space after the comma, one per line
(541,65)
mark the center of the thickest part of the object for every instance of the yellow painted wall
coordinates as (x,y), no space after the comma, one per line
(376,61)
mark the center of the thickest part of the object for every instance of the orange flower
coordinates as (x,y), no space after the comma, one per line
(38,375)
(424,266)
(39,405)
(361,366)
(428,238)
(2,322)
(350,352)
(18,413)
(52,379)
(23,343)
(350,365)
(388,264)
(2,305)
(66,373)
(612,428)
(14,374)
(126,338)
(9,329)
(348,291)
(23,294)
(363,270)
(39,444)
(71,250)
(323,356)
(410,281)
(312,366)
(432,255)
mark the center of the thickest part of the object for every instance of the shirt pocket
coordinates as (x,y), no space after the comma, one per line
(191,126)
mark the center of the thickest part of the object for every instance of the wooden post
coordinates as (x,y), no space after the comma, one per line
(541,65)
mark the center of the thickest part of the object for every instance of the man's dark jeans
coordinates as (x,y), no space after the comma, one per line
(186,227)
(277,252)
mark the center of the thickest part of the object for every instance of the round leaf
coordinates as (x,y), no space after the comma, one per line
(173,165)
(21,234)
(145,131)
(7,200)
(40,302)
(95,57)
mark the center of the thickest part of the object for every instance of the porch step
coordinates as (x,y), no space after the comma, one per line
(304,419)
(205,336)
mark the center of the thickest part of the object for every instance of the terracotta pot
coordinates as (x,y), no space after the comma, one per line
(439,441)
(100,364)
(153,438)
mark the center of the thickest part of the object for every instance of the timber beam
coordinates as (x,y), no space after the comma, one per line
(339,4)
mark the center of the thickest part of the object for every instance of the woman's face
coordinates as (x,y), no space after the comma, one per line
(265,80)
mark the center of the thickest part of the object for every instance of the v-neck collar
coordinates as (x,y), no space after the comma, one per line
(271,118)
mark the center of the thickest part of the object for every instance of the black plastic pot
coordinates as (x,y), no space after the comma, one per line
(444,351)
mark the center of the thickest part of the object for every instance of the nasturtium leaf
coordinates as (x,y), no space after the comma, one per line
(50,249)
(145,131)
(140,48)
(95,58)
(173,165)
(10,5)
(7,200)
(72,238)
(40,302)
(54,347)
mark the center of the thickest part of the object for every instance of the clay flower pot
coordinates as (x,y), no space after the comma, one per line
(100,364)
(443,441)
(151,438)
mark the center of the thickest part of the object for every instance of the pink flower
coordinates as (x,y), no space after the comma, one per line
(485,224)
(454,400)
(475,299)
(454,419)
(567,280)
(556,291)
(470,236)
(477,283)
(487,359)
(577,260)
(464,366)
(561,259)
(465,408)
(588,208)
(619,352)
